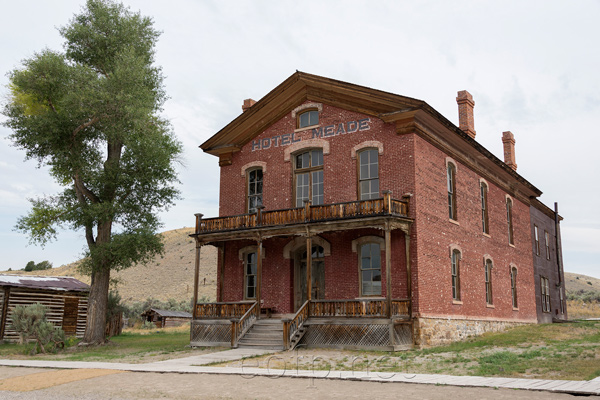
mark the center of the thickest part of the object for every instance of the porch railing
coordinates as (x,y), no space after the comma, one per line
(240,326)
(357,308)
(292,327)
(224,310)
(310,213)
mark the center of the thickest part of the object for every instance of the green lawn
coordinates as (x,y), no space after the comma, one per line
(548,351)
(130,347)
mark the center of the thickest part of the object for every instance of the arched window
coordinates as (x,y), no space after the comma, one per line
(308,118)
(370,269)
(488,265)
(455,269)
(513,286)
(484,208)
(509,219)
(368,174)
(254,189)
(308,177)
(451,183)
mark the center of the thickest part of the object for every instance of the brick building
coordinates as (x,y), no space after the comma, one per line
(417,234)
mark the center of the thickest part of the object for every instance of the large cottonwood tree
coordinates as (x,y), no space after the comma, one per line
(92,115)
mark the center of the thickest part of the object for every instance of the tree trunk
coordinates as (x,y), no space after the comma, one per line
(97,303)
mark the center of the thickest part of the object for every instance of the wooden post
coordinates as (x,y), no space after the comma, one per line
(258,275)
(233,333)
(388,268)
(196,277)
(221,271)
(408,272)
(259,209)
(286,333)
(387,201)
(308,266)
(307,215)
(198,221)
(4,311)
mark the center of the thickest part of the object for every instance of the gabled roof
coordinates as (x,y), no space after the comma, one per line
(44,282)
(409,115)
(294,91)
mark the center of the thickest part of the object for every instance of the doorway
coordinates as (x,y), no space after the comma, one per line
(317,275)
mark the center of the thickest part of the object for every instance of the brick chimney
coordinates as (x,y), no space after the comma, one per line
(466,121)
(247,104)
(508,140)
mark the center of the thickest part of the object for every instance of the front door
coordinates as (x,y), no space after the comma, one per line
(317,275)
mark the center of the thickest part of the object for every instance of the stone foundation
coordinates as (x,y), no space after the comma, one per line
(437,331)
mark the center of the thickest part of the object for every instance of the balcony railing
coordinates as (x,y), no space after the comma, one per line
(308,214)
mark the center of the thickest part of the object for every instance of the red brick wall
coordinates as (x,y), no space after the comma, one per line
(341,269)
(408,164)
(435,233)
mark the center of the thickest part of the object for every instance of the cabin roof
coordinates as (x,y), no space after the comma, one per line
(62,283)
(168,313)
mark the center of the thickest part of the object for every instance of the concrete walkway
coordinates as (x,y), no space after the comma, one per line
(197,365)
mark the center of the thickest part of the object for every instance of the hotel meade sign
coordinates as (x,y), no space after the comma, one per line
(343,128)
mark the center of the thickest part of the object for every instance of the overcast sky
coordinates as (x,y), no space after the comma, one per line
(533,67)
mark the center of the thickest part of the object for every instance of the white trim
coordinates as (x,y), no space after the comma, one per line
(304,106)
(306,144)
(364,145)
(299,242)
(254,164)
(368,239)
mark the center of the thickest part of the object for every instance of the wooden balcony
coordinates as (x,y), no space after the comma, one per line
(352,210)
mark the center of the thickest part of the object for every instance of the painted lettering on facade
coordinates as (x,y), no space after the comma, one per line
(342,128)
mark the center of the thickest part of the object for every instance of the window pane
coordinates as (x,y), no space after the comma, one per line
(317,158)
(373,171)
(299,161)
(313,117)
(304,120)
(375,188)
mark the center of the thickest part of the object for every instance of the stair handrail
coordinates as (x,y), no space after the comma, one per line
(240,326)
(293,325)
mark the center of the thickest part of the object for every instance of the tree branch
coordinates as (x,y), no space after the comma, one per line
(80,189)
(83,126)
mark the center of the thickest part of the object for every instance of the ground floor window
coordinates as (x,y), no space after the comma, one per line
(513,286)
(545,291)
(250,268)
(370,269)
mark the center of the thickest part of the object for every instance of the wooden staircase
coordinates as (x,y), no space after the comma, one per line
(264,334)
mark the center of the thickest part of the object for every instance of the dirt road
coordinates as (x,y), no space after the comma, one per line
(136,385)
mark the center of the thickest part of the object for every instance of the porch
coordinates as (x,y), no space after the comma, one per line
(373,318)
(350,324)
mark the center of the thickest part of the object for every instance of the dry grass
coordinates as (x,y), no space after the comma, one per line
(169,276)
(580,310)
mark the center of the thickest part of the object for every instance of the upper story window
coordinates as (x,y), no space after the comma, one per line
(547,240)
(368,174)
(254,189)
(536,237)
(509,219)
(513,286)
(370,269)
(308,118)
(451,181)
(455,269)
(484,208)
(308,177)
(488,281)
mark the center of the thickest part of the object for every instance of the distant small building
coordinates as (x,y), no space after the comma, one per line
(166,318)
(65,299)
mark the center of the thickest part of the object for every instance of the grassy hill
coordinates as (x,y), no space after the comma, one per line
(170,276)
(576,282)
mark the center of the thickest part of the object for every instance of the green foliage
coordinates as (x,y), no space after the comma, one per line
(114,307)
(134,310)
(148,325)
(587,296)
(30,323)
(92,115)
(32,266)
